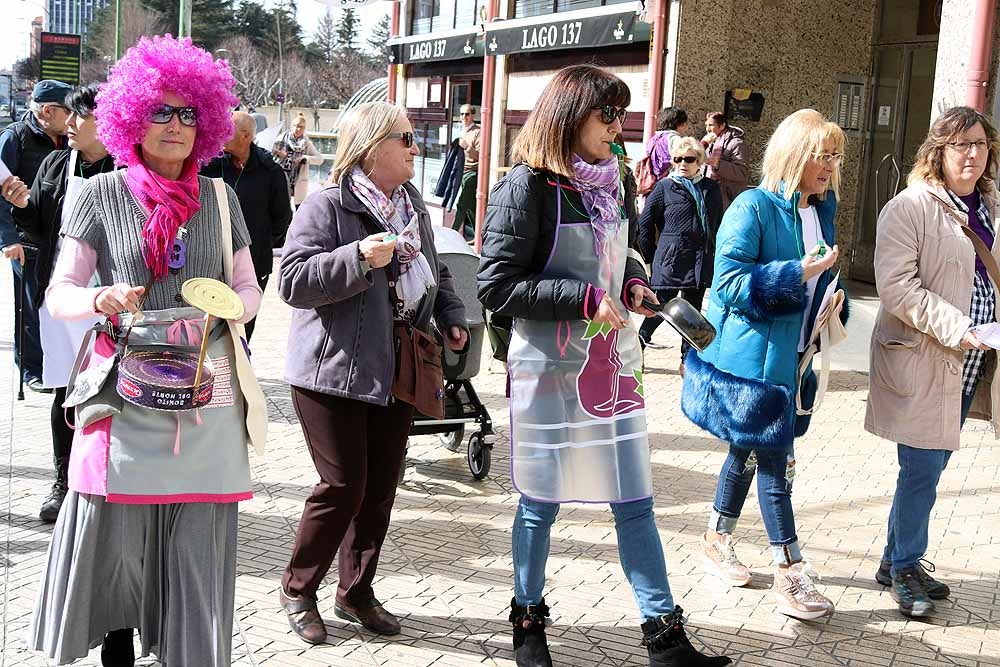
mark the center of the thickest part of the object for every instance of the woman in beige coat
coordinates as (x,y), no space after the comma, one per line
(294,151)
(929,371)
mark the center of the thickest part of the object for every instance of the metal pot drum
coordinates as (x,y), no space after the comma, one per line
(686,320)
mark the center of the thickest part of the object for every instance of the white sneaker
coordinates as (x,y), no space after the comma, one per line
(797,596)
(720,560)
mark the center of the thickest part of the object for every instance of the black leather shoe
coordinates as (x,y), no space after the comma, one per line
(117,649)
(35,384)
(531,647)
(371,615)
(303,617)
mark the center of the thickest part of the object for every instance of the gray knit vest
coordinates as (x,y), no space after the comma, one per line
(109,219)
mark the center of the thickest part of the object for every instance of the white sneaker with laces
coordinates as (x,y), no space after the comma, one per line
(719,558)
(796,594)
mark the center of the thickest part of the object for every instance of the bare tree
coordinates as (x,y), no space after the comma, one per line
(256,75)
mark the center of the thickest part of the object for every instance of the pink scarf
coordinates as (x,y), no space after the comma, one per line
(169,204)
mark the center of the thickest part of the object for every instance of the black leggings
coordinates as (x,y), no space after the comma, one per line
(62,433)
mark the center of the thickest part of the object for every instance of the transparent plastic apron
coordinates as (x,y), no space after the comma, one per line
(61,338)
(577,413)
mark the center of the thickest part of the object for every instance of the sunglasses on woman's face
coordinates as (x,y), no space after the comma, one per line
(406,137)
(609,113)
(686,158)
(162,115)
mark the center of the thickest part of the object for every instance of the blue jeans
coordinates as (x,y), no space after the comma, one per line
(775,470)
(32,352)
(916,493)
(639,550)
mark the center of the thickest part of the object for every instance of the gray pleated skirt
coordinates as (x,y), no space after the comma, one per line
(168,570)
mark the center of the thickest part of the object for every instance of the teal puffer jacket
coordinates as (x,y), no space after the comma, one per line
(742,387)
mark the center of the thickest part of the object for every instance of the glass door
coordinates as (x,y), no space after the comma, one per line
(901,111)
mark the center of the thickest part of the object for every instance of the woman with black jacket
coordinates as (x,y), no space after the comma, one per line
(556,258)
(40,216)
(685,210)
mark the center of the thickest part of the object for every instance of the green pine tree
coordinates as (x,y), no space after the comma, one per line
(347,31)
(378,42)
(324,42)
(212,21)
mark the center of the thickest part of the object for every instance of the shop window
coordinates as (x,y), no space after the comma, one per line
(466,13)
(524,8)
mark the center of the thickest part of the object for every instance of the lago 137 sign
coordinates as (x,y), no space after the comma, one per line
(454,47)
(572,34)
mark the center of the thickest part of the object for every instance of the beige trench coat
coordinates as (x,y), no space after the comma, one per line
(924,267)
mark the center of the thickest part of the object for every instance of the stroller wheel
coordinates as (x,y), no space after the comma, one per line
(478,456)
(453,441)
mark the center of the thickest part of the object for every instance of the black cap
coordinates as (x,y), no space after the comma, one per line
(50,91)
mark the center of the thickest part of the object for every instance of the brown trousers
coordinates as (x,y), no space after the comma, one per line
(357,449)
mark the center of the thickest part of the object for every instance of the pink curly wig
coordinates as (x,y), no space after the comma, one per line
(158,65)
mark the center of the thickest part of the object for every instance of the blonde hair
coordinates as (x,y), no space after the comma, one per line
(299,118)
(929,163)
(364,128)
(796,139)
(688,144)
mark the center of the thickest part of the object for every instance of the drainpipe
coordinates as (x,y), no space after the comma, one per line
(657,56)
(393,32)
(979,58)
(485,138)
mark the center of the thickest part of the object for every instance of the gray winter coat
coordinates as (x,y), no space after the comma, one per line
(340,341)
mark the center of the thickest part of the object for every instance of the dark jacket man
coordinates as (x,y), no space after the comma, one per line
(262,190)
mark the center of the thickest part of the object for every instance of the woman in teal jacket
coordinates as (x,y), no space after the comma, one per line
(774,251)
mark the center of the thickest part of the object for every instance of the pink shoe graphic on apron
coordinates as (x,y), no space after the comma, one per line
(603,389)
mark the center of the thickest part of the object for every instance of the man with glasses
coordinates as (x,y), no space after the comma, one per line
(465,207)
(23,146)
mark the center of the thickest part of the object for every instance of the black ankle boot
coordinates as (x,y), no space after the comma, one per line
(117,649)
(530,647)
(49,511)
(668,645)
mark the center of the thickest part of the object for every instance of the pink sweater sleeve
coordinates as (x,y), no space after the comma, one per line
(245,284)
(68,297)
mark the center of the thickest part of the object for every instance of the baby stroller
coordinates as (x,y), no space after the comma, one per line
(463,409)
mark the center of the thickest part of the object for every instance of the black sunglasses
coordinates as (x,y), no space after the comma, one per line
(162,115)
(687,158)
(609,113)
(407,138)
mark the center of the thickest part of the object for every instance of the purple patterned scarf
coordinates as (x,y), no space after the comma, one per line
(599,185)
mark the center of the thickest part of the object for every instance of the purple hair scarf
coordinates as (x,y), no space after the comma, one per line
(599,185)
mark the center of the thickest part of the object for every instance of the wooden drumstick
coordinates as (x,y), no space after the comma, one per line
(201,361)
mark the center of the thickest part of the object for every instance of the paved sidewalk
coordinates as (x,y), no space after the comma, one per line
(446,567)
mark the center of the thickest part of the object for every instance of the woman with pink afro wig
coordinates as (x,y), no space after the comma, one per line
(152,67)
(146,536)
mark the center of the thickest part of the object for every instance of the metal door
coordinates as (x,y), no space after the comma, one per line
(900,117)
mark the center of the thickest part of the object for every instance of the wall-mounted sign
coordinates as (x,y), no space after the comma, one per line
(580,33)
(454,47)
(743,105)
(60,56)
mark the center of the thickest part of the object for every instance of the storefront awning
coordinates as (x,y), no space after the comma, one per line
(575,33)
(451,47)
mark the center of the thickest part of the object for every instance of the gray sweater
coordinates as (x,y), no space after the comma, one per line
(108,217)
(340,341)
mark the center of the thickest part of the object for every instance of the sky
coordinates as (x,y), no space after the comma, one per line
(15,27)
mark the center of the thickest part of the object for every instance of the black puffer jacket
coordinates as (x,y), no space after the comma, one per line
(685,255)
(517,240)
(41,219)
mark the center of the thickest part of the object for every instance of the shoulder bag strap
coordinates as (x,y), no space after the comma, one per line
(253,395)
(984,254)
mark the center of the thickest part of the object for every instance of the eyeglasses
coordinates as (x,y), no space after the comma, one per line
(685,158)
(59,106)
(609,113)
(468,113)
(965,147)
(830,159)
(163,114)
(407,138)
